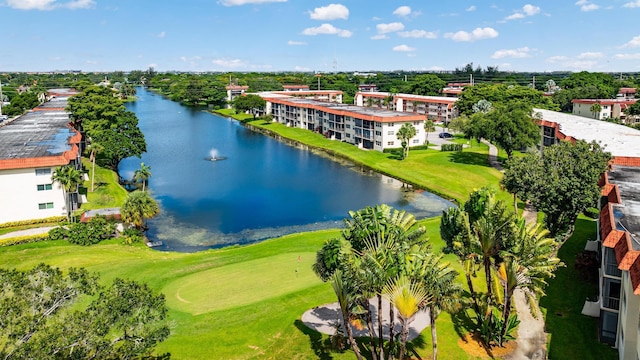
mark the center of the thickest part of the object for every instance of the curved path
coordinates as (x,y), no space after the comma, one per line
(27,232)
(325,317)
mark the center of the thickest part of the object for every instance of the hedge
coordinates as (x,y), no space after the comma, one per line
(451,147)
(27,239)
(49,220)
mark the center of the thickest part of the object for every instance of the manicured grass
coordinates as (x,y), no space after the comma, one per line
(107,192)
(450,174)
(232,113)
(573,335)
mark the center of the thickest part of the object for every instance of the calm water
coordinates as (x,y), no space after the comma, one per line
(262,189)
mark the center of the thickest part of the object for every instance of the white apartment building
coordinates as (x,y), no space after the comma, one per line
(367,128)
(436,108)
(31,147)
(609,108)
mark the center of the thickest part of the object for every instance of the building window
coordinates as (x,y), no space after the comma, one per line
(390,143)
(348,135)
(390,132)
(46,171)
(379,143)
(378,133)
(43,187)
(415,141)
(43,206)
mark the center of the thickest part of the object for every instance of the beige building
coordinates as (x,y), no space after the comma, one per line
(436,108)
(609,109)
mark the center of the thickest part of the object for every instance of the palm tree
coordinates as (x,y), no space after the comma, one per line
(69,178)
(345,298)
(407,297)
(595,110)
(138,206)
(441,285)
(406,132)
(527,265)
(142,175)
(428,128)
(95,148)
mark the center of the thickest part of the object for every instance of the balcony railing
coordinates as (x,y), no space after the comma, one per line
(612,270)
(610,302)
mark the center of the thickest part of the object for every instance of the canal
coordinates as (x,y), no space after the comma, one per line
(259,188)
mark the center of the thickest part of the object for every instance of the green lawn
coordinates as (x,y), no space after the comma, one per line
(449,174)
(107,192)
(573,335)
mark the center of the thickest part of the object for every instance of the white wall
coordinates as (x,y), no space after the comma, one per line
(628,320)
(19,196)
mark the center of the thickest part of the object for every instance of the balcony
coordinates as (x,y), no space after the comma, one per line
(610,302)
(612,270)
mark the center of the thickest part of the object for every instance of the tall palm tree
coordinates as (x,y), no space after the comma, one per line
(445,292)
(428,128)
(407,297)
(527,265)
(142,175)
(69,178)
(94,148)
(406,132)
(138,206)
(345,298)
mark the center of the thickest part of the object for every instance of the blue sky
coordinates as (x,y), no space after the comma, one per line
(310,35)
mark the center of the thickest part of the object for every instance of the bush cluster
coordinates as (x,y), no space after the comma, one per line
(451,147)
(27,239)
(89,233)
(53,219)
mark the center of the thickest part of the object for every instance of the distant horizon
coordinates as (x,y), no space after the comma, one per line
(541,36)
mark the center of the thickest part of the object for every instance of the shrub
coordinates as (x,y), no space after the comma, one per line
(53,219)
(23,239)
(92,232)
(451,147)
(132,236)
(58,233)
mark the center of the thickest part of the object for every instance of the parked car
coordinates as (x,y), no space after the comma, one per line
(445,135)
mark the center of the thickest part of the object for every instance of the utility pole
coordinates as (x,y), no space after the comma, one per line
(471,79)
(534,81)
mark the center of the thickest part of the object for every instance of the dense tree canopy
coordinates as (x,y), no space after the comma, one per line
(48,314)
(104,119)
(562,183)
(250,102)
(498,94)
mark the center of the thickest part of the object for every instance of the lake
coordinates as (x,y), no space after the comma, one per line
(260,188)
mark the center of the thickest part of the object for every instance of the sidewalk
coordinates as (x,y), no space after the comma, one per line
(27,232)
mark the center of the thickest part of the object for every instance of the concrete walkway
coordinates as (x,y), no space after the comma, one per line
(531,340)
(27,232)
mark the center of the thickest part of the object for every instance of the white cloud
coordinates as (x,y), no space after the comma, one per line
(635,56)
(402,11)
(229,63)
(632,4)
(557,59)
(527,10)
(635,42)
(591,55)
(245,2)
(519,53)
(326,29)
(296,43)
(585,5)
(161,35)
(330,12)
(436,68)
(391,27)
(403,48)
(530,10)
(49,4)
(471,8)
(183,58)
(476,34)
(379,37)
(301,68)
(418,34)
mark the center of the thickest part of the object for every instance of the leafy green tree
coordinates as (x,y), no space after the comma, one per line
(345,301)
(501,94)
(633,110)
(102,117)
(249,102)
(47,314)
(519,176)
(510,126)
(404,134)
(142,175)
(427,84)
(138,206)
(69,179)
(567,185)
